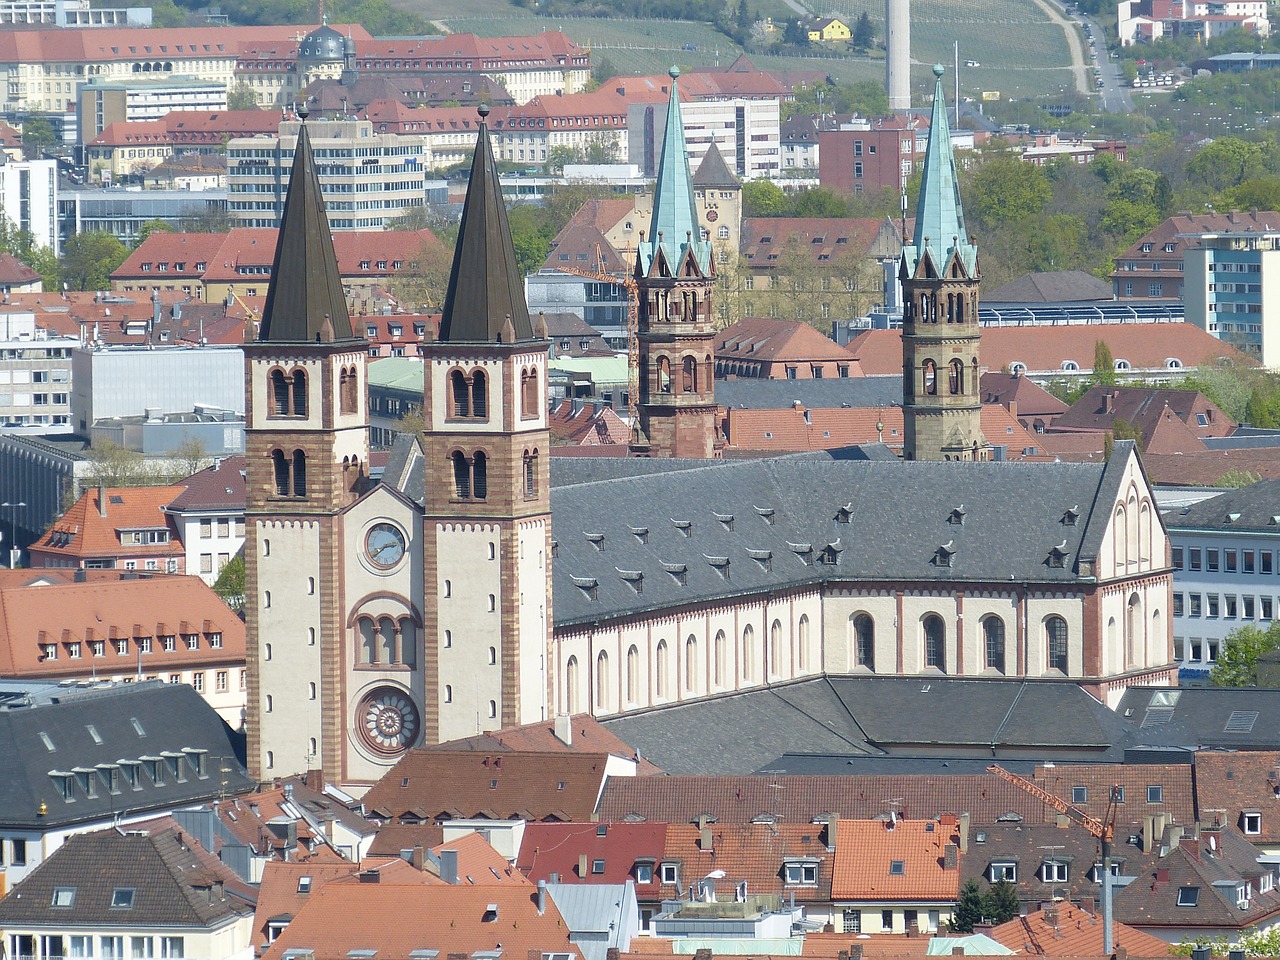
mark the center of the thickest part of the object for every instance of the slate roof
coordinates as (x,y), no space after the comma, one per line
(1050,287)
(1066,930)
(450,784)
(1254,507)
(219,486)
(893,860)
(137,720)
(305,301)
(775,524)
(486,291)
(880,391)
(1229,718)
(872,716)
(176,884)
(713,173)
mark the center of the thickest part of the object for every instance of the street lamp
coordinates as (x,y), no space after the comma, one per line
(14,552)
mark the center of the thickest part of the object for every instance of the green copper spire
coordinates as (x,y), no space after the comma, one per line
(939,215)
(674,227)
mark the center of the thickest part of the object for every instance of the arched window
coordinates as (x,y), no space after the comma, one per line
(529,394)
(691,663)
(530,474)
(461,476)
(408,642)
(660,669)
(350,390)
(993,636)
(664,375)
(718,658)
(956,379)
(802,643)
(281,472)
(387,639)
(461,394)
(602,681)
(775,640)
(279,400)
(633,670)
(1055,632)
(299,473)
(571,686)
(479,394)
(864,641)
(935,642)
(299,394)
(748,651)
(1134,640)
(930,371)
(689,378)
(480,476)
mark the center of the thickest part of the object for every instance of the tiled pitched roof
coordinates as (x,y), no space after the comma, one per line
(556,848)
(892,860)
(287,887)
(175,883)
(392,838)
(1208,468)
(754,853)
(583,246)
(14,271)
(1065,930)
(220,486)
(768,240)
(92,526)
(110,44)
(587,425)
(1144,407)
(396,919)
(1241,782)
(1173,784)
(1032,399)
(586,733)
(1171,231)
(1044,349)
(445,783)
(1053,287)
(69,616)
(768,340)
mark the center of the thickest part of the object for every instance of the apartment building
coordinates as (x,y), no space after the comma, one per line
(35,377)
(1225,290)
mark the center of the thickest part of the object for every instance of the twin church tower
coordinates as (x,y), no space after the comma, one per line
(381,615)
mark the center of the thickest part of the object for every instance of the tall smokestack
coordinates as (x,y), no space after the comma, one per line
(897,44)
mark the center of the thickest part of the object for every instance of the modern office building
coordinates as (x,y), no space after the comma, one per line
(35,377)
(1224,288)
(29,199)
(101,102)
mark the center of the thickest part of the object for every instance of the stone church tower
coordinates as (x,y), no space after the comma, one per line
(676,273)
(940,275)
(487,525)
(307,448)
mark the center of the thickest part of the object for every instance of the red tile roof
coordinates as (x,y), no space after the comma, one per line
(71,616)
(14,271)
(557,848)
(1044,349)
(586,733)
(766,340)
(395,919)
(92,528)
(1065,930)
(904,860)
(751,853)
(586,426)
(1241,782)
(111,44)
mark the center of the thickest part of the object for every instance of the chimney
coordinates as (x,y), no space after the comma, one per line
(564,729)
(957,951)
(1088,906)
(1191,845)
(962,828)
(1051,916)
(831,833)
(913,930)
(702,954)
(613,953)
(582,866)
(705,839)
(1162,874)
(855,951)
(449,866)
(535,953)
(1200,953)
(1123,954)
(542,897)
(1235,955)
(102,499)
(950,857)
(842,955)
(419,860)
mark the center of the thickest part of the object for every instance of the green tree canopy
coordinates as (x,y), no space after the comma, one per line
(88,259)
(763,198)
(1005,190)
(1104,364)
(968,907)
(230,583)
(1227,162)
(1237,664)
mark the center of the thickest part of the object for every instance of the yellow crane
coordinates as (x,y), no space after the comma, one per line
(600,273)
(1103,829)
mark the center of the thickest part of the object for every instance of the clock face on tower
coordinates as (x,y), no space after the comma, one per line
(387,721)
(384,545)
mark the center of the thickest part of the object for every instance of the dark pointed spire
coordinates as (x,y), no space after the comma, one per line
(306,287)
(486,290)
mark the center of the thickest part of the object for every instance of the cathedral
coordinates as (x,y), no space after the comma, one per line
(477,584)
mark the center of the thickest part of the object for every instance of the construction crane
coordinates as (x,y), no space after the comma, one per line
(250,313)
(1103,829)
(600,273)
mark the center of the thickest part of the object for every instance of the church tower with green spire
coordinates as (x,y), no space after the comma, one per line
(676,274)
(940,276)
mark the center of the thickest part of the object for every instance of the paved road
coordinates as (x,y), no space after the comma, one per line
(1113,92)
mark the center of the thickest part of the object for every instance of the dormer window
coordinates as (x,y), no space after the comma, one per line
(1053,871)
(1004,870)
(801,872)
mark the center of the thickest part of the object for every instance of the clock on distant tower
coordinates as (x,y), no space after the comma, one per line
(384,545)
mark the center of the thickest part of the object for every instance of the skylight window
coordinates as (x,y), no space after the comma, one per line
(122,898)
(897,868)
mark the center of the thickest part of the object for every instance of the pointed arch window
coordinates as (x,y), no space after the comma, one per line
(571,701)
(602,681)
(689,378)
(929,371)
(956,379)
(660,669)
(691,663)
(299,384)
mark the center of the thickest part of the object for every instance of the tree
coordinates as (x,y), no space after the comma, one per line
(863,34)
(421,284)
(969,907)
(38,133)
(191,456)
(1002,903)
(1006,190)
(147,229)
(242,97)
(1104,365)
(1237,478)
(205,219)
(762,198)
(1237,664)
(89,258)
(230,583)
(115,466)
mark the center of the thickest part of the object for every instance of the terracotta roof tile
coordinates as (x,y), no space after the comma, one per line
(755,854)
(1175,785)
(767,340)
(92,528)
(549,848)
(1241,782)
(902,860)
(1065,930)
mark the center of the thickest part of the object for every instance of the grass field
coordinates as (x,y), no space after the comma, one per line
(1021,52)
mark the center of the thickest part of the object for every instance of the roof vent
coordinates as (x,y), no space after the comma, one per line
(640,533)
(724,518)
(684,526)
(1232,517)
(844,513)
(1058,554)
(588,585)
(762,557)
(721,565)
(957,515)
(634,578)
(945,553)
(1070,517)
(766,514)
(802,550)
(595,539)
(679,572)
